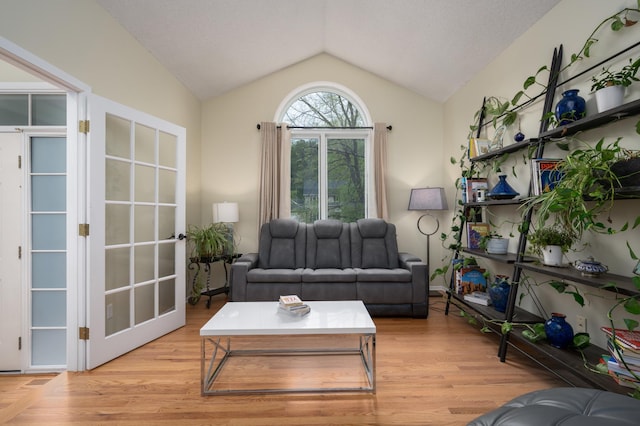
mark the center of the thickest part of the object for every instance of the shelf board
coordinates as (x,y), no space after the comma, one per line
(593,121)
(519,315)
(503,258)
(514,147)
(511,202)
(623,285)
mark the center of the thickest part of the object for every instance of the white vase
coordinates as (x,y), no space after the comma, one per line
(552,255)
(497,245)
(609,97)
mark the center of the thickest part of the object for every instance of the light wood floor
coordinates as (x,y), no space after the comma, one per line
(440,371)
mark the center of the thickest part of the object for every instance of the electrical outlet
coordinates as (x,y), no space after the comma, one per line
(581,324)
(110,311)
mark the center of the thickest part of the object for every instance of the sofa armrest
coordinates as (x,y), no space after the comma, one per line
(238,278)
(405,258)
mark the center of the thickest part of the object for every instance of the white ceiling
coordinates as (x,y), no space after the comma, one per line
(432,47)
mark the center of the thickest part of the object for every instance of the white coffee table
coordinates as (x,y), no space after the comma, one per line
(237,319)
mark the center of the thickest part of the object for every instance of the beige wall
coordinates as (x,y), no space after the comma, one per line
(81,38)
(231,143)
(504,77)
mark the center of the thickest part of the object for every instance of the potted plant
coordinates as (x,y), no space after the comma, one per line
(585,192)
(609,85)
(494,243)
(208,241)
(551,243)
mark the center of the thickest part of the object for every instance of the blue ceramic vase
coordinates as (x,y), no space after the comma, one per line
(559,331)
(499,293)
(502,190)
(570,108)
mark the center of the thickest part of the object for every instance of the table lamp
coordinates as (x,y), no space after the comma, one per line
(226,213)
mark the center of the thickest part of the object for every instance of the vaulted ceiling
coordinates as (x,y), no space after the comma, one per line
(432,47)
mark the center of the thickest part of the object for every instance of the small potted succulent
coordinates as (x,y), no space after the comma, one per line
(551,242)
(494,243)
(609,85)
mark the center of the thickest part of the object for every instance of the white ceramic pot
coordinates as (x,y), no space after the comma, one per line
(552,255)
(609,97)
(497,245)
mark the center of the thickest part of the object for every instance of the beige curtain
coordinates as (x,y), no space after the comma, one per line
(275,172)
(380,169)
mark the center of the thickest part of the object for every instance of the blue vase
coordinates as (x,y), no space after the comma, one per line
(499,293)
(570,108)
(559,331)
(502,190)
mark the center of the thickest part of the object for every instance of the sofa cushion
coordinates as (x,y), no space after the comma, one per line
(374,244)
(282,244)
(261,275)
(395,275)
(329,275)
(328,245)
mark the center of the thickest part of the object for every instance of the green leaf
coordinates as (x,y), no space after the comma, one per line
(577,297)
(636,282)
(638,127)
(558,285)
(530,81)
(581,340)
(517,97)
(617,24)
(631,324)
(636,223)
(506,327)
(602,368)
(485,329)
(632,306)
(631,252)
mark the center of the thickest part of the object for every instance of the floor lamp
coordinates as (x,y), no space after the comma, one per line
(428,199)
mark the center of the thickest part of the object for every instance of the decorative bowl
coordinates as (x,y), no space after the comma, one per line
(590,267)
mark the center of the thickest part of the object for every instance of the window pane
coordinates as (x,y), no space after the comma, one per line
(145,144)
(118,315)
(118,137)
(346,179)
(49,231)
(48,193)
(116,264)
(167,149)
(49,110)
(49,308)
(304,179)
(49,347)
(167,296)
(14,110)
(48,155)
(145,302)
(117,223)
(49,270)
(324,109)
(117,178)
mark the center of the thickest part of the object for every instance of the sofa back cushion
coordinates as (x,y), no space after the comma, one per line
(373,244)
(282,244)
(328,245)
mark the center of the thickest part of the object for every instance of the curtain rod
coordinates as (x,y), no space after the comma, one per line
(389,127)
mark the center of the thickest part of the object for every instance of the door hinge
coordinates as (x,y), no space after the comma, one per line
(19,252)
(19,161)
(83,333)
(19,343)
(84,126)
(83,229)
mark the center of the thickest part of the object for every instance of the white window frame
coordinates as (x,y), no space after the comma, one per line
(323,134)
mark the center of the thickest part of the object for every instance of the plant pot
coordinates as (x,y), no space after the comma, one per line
(627,172)
(499,293)
(497,245)
(552,255)
(609,97)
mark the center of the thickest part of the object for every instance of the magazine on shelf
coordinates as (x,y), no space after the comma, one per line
(475,232)
(545,174)
(471,188)
(625,338)
(478,297)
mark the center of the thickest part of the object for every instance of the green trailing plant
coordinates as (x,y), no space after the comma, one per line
(585,192)
(624,77)
(550,236)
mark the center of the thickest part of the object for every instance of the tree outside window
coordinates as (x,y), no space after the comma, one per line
(328,158)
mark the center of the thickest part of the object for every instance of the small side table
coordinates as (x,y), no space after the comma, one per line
(205,267)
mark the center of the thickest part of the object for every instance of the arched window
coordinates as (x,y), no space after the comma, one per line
(330,134)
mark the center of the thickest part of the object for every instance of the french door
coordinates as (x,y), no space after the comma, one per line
(136,270)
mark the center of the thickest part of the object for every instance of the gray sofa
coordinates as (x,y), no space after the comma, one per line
(332,260)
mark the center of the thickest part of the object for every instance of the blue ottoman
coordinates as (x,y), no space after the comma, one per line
(566,407)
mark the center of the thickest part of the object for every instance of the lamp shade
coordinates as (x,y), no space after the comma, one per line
(427,199)
(225,212)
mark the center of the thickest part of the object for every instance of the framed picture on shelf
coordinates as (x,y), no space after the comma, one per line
(482,146)
(475,232)
(472,186)
(545,174)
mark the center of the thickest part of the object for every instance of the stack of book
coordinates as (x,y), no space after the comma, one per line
(293,305)
(624,349)
(479,297)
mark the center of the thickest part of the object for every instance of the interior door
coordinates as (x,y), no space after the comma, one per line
(11,214)
(136,290)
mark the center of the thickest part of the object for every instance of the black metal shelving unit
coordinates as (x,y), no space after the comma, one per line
(569,365)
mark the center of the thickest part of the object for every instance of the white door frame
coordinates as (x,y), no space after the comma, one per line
(76,154)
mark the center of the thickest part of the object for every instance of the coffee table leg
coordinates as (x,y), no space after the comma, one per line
(368,354)
(213,369)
